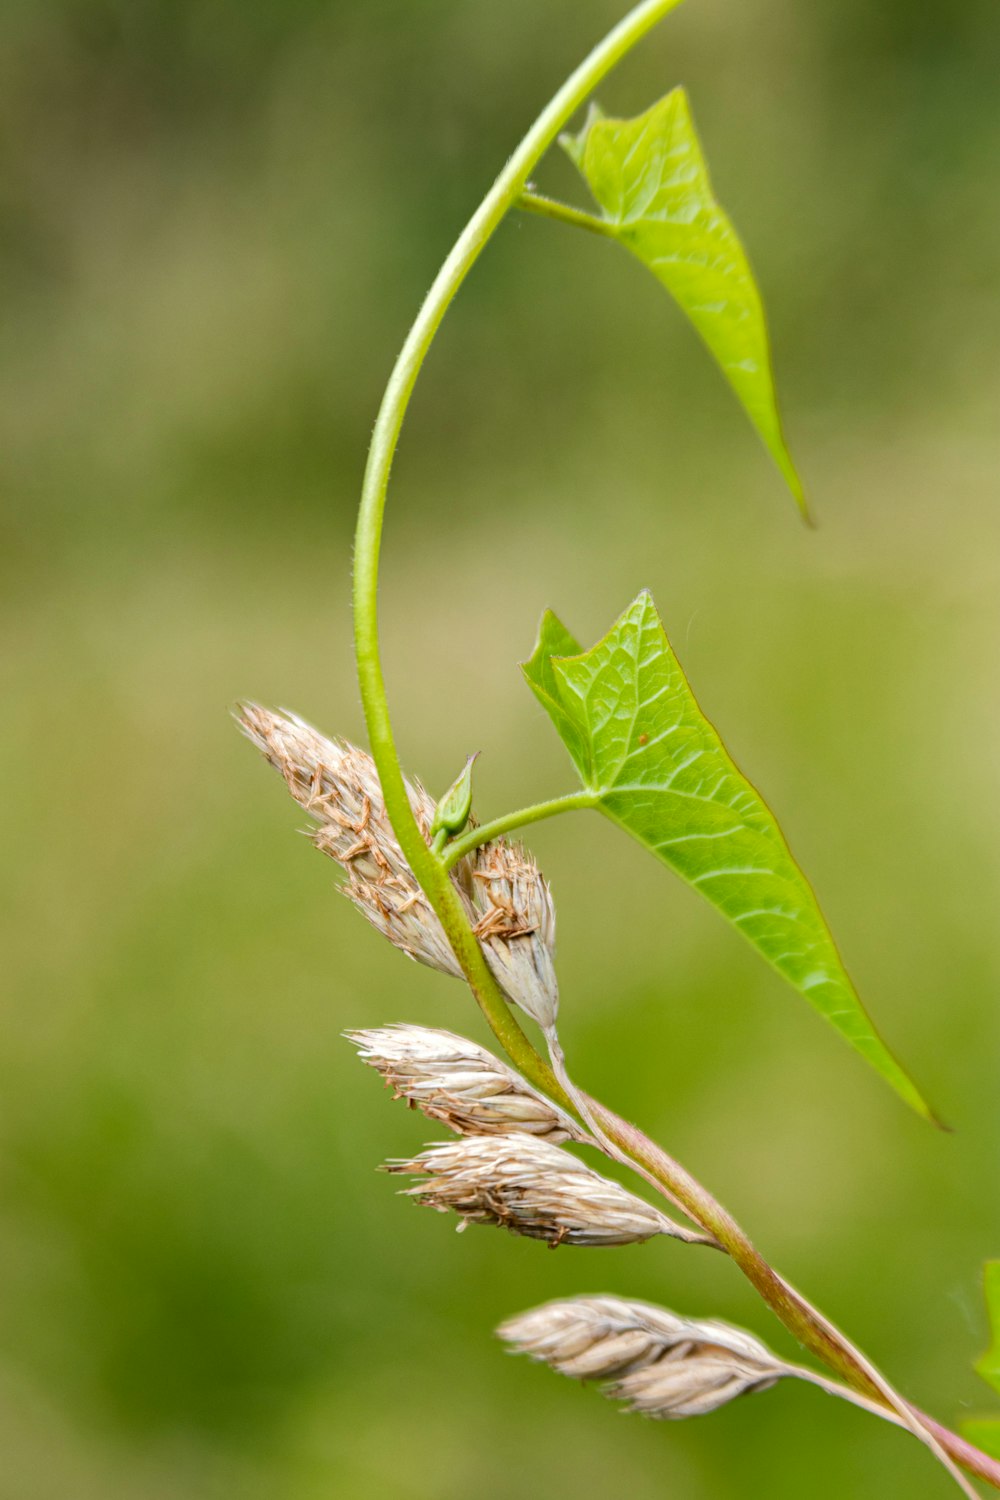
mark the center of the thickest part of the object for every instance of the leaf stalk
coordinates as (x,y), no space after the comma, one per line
(466,842)
(551,208)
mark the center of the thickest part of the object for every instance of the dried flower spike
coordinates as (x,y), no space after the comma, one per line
(464,1086)
(660,1364)
(692,1385)
(337,784)
(516,922)
(530,1187)
(505,896)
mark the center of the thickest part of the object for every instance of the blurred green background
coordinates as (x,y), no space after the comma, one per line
(216,219)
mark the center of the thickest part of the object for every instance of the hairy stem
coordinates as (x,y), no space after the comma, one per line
(803,1321)
(551,208)
(472,839)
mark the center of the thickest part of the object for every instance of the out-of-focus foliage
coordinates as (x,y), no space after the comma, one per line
(989,1365)
(986,1430)
(216,220)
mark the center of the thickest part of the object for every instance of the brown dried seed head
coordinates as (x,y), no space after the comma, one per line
(504,894)
(516,922)
(332,779)
(659,1363)
(337,785)
(692,1385)
(532,1188)
(464,1086)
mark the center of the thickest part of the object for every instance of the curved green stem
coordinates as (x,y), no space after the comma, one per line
(472,839)
(504,193)
(803,1321)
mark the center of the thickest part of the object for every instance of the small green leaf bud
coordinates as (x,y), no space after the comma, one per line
(452,812)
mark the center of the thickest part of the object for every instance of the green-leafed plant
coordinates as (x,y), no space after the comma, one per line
(457,895)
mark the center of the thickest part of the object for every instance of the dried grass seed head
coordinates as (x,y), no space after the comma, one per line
(530,1187)
(662,1365)
(460,1084)
(505,897)
(337,785)
(692,1385)
(515,920)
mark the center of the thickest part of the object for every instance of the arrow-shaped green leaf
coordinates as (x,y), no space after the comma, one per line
(985,1431)
(657,767)
(650,179)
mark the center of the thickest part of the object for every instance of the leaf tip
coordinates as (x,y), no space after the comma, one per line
(777,446)
(575,145)
(931,1115)
(908,1091)
(549,620)
(801,499)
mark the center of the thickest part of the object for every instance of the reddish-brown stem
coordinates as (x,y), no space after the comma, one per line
(972,1459)
(811,1329)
